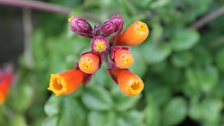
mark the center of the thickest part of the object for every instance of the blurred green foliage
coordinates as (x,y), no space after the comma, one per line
(182,69)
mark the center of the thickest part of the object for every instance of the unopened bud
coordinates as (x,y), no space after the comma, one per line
(108,28)
(117,20)
(80,26)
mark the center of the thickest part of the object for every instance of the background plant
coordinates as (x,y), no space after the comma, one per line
(181,65)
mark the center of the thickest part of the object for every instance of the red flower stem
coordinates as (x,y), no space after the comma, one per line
(37,5)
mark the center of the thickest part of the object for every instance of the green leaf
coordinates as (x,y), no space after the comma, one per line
(157,31)
(182,59)
(131,118)
(71,112)
(208,110)
(175,111)
(50,121)
(154,52)
(184,39)
(52,106)
(203,56)
(220,59)
(97,98)
(123,102)
(18,120)
(139,66)
(203,78)
(96,118)
(158,95)
(22,98)
(152,115)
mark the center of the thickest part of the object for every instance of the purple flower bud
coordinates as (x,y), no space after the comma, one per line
(80,26)
(99,45)
(108,28)
(117,20)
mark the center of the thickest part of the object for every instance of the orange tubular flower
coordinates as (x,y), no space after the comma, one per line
(129,83)
(123,58)
(133,35)
(5,82)
(89,63)
(66,82)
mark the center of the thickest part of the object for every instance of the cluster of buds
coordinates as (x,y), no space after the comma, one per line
(108,44)
(5,82)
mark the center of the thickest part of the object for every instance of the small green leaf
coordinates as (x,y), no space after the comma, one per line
(139,67)
(97,98)
(96,118)
(71,112)
(50,121)
(52,106)
(22,97)
(123,102)
(203,78)
(182,59)
(184,39)
(154,52)
(18,120)
(131,118)
(175,111)
(220,59)
(152,115)
(209,109)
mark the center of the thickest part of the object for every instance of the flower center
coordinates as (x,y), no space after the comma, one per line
(57,85)
(127,59)
(141,27)
(99,46)
(135,86)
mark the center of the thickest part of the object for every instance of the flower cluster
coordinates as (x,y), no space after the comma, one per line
(108,44)
(5,82)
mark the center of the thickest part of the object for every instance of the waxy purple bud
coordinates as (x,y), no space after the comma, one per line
(107,28)
(99,45)
(80,26)
(118,21)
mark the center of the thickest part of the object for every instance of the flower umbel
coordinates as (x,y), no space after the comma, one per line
(115,53)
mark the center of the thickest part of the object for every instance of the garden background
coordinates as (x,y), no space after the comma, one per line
(181,63)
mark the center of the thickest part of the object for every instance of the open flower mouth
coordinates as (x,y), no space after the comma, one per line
(57,85)
(136,86)
(141,27)
(127,60)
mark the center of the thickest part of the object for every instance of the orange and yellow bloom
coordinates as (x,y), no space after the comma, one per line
(134,35)
(122,58)
(89,63)
(66,82)
(129,83)
(5,82)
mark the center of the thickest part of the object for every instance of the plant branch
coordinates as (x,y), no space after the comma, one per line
(207,18)
(37,5)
